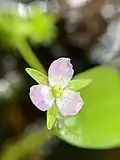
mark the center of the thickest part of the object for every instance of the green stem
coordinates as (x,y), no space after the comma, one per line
(29,56)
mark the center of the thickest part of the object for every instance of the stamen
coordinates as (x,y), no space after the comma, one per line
(57,91)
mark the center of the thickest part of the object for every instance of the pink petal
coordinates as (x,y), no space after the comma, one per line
(70,103)
(60,72)
(41,96)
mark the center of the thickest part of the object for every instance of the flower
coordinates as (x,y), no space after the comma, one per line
(60,74)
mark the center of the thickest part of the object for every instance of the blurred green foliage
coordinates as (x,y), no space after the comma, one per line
(42,27)
(26,144)
(12,29)
(38,27)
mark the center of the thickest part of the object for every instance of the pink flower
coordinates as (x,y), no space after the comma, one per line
(59,75)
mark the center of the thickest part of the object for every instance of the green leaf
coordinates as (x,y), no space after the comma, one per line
(42,26)
(21,148)
(51,116)
(76,85)
(37,76)
(9,37)
(97,125)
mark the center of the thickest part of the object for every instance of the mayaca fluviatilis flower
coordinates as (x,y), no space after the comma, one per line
(45,96)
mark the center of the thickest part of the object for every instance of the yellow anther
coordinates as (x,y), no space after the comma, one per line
(56,88)
(57,91)
(57,95)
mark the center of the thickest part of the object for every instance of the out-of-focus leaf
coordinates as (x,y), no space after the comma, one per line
(51,116)
(12,29)
(26,144)
(42,26)
(97,125)
(14,32)
(37,76)
(76,85)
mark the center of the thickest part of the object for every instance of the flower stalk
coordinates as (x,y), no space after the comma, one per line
(29,56)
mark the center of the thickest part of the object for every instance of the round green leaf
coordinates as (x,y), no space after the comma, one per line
(97,125)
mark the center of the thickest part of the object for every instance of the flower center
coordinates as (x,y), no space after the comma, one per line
(57,91)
